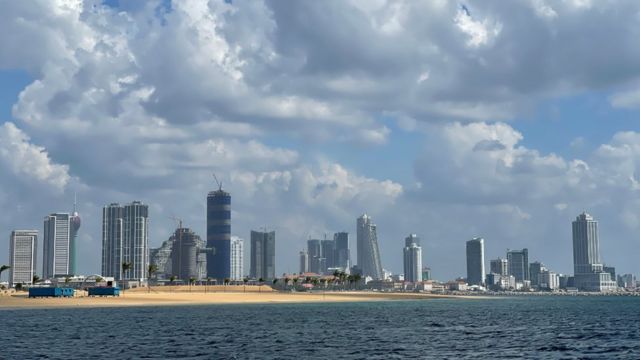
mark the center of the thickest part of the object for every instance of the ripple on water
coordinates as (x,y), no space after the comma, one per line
(506,328)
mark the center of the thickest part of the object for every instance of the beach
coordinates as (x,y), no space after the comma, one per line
(198,295)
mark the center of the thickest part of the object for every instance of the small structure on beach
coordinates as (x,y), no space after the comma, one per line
(104,291)
(50,292)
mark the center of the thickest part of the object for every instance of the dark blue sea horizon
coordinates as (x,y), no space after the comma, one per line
(527,327)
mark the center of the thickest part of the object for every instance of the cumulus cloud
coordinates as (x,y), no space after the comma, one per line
(28,162)
(146,100)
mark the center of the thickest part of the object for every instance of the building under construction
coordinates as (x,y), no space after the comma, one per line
(182,256)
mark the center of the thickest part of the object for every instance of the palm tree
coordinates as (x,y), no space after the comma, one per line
(36,279)
(274,282)
(260,281)
(150,271)
(99,279)
(351,279)
(125,267)
(226,282)
(295,283)
(192,281)
(356,279)
(67,279)
(207,283)
(2,269)
(245,280)
(286,282)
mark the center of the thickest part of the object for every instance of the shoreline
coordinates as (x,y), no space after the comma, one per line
(140,297)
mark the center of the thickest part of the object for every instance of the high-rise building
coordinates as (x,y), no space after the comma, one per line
(412,259)
(56,245)
(316,258)
(304,262)
(237,258)
(547,280)
(186,255)
(23,256)
(367,246)
(328,252)
(263,255)
(519,264)
(535,269)
(112,234)
(589,274)
(499,266)
(125,239)
(475,261)
(342,254)
(219,234)
(161,257)
(74,223)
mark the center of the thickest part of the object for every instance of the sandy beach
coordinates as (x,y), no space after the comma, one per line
(182,295)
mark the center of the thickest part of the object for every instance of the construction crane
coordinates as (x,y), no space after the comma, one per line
(217,182)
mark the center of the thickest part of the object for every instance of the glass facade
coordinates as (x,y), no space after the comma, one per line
(219,235)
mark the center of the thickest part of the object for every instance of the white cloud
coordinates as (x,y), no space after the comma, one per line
(480,32)
(29,162)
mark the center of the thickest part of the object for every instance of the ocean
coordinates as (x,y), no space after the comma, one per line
(501,328)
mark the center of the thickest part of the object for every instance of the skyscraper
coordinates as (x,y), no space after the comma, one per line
(56,245)
(125,239)
(475,261)
(499,266)
(237,258)
(519,264)
(304,262)
(328,252)
(588,270)
(136,240)
(263,255)
(112,234)
(367,247)
(219,234)
(316,258)
(412,259)
(342,255)
(23,255)
(535,270)
(74,223)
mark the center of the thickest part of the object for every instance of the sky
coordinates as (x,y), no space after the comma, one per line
(447,119)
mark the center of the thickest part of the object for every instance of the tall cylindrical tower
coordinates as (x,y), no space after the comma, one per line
(219,235)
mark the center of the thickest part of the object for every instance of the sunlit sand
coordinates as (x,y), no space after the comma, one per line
(198,295)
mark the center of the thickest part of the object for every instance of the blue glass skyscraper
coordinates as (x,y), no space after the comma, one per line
(219,235)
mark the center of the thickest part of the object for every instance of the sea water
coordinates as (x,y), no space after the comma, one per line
(524,327)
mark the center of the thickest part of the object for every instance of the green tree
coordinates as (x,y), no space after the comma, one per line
(2,269)
(226,282)
(274,282)
(260,281)
(295,283)
(36,279)
(356,279)
(286,282)
(192,281)
(245,281)
(151,269)
(126,266)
